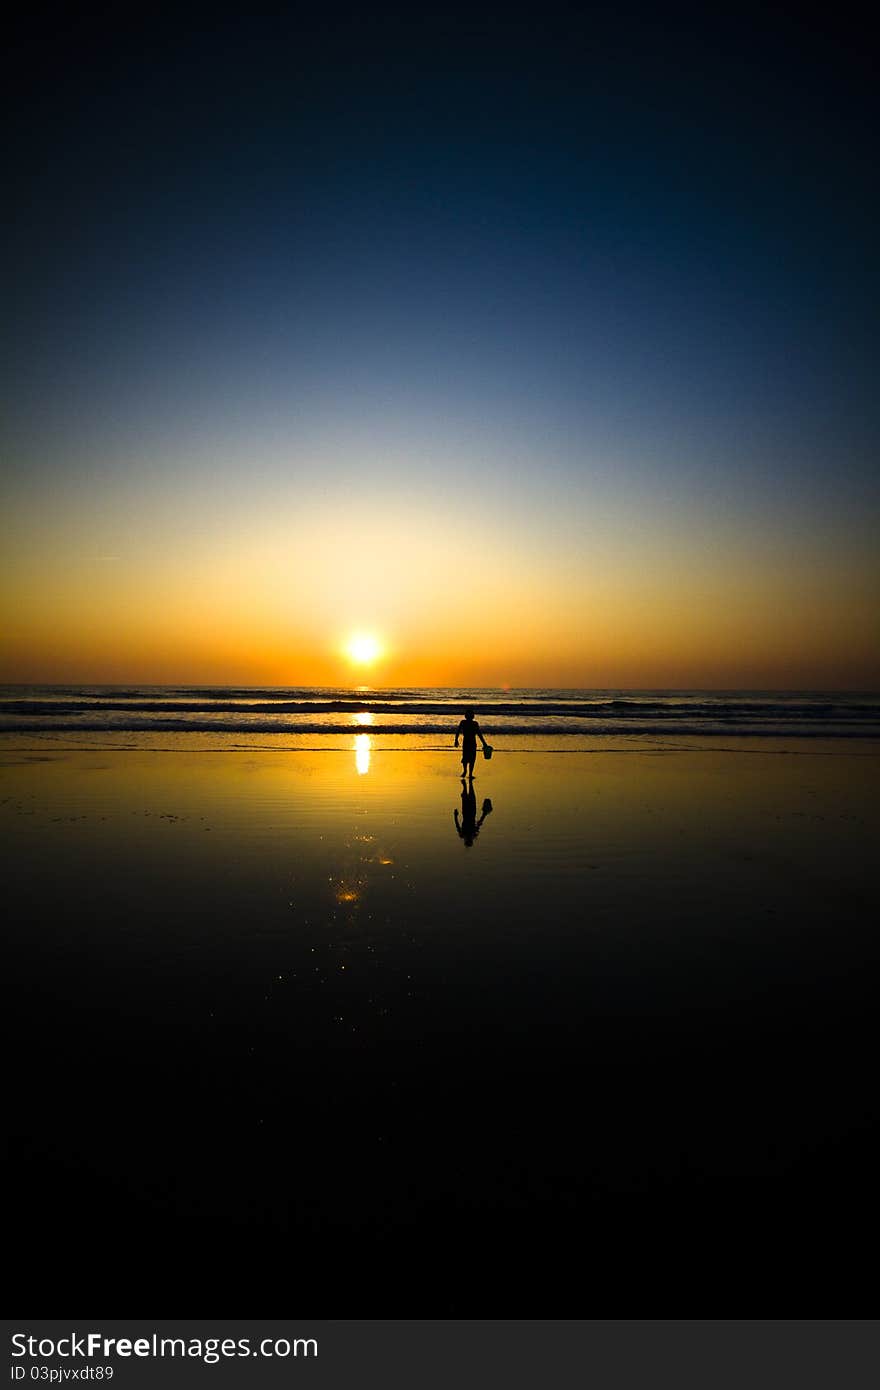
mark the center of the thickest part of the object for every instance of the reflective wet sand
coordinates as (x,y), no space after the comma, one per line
(321,1022)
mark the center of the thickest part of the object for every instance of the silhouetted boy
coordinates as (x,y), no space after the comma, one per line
(468,731)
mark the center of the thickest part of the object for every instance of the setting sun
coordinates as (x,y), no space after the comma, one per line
(363,648)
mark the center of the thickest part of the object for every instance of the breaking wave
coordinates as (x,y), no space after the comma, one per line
(239,710)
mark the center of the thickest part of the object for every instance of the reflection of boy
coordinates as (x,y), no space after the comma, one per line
(469,827)
(468,731)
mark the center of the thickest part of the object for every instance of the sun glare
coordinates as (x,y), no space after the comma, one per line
(363,648)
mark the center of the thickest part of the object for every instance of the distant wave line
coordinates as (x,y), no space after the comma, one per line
(618,708)
(768,729)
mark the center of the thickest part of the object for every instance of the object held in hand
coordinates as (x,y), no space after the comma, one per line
(487,750)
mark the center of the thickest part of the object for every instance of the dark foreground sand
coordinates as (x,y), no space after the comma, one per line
(282,1040)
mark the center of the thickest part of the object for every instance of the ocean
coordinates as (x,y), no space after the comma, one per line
(420,716)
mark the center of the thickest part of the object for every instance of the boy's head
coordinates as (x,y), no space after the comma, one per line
(468,714)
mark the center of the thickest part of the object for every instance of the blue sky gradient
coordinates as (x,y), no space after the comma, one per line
(600,285)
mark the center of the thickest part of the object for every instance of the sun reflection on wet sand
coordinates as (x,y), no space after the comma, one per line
(347,893)
(362,747)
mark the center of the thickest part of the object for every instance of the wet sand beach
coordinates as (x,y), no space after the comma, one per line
(280,1031)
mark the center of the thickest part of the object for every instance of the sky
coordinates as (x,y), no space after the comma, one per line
(539,348)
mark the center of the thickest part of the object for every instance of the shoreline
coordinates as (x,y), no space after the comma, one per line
(159,741)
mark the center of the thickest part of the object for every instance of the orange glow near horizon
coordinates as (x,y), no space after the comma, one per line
(168,596)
